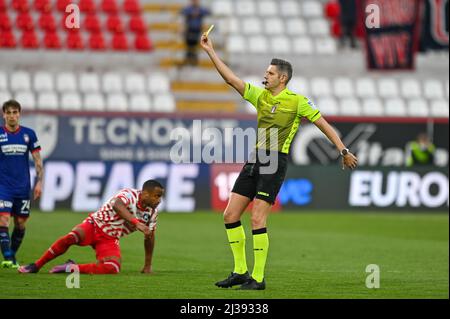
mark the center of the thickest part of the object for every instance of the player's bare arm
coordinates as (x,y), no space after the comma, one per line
(120,208)
(348,160)
(222,68)
(39,174)
(149,245)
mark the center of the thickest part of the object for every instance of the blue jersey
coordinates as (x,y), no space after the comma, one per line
(15,148)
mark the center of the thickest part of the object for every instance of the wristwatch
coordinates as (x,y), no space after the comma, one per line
(344,151)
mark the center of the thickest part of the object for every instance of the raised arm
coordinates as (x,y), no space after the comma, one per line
(149,245)
(39,174)
(221,67)
(348,160)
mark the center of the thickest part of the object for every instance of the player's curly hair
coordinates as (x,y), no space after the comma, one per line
(11,103)
(151,184)
(284,67)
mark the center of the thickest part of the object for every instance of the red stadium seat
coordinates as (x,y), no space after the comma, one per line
(142,42)
(62,4)
(131,6)
(47,22)
(42,5)
(97,41)
(24,21)
(92,22)
(137,24)
(29,40)
(109,6)
(7,39)
(3,5)
(74,40)
(5,22)
(20,5)
(119,42)
(87,6)
(114,24)
(51,40)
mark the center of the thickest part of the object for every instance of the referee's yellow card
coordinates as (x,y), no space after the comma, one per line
(209,30)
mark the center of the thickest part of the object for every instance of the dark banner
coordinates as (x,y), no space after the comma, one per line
(376,144)
(392,33)
(435,25)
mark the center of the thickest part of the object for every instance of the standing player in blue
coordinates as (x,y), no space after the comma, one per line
(16,142)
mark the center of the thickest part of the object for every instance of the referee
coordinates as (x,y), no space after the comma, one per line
(277,109)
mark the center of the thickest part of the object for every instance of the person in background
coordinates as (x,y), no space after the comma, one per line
(348,19)
(421,151)
(193,24)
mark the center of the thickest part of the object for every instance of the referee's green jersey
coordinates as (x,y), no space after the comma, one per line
(282,113)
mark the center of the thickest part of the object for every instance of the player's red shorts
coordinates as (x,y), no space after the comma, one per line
(104,245)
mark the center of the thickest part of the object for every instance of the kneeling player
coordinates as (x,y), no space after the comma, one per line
(127,211)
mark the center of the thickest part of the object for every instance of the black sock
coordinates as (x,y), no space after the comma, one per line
(16,239)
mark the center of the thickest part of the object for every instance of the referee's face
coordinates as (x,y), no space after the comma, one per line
(272,77)
(11,117)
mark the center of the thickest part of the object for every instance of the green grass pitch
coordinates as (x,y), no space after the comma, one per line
(312,255)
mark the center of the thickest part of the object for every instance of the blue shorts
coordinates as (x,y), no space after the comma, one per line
(17,206)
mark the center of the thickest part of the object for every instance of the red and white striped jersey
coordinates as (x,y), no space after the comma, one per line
(115,226)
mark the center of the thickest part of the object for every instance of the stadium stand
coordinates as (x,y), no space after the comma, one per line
(128,56)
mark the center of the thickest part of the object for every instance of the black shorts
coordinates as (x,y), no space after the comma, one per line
(252,182)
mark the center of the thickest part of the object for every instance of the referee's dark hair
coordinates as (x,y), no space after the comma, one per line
(283,67)
(11,103)
(151,184)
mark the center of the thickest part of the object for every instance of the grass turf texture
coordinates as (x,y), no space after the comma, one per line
(311,255)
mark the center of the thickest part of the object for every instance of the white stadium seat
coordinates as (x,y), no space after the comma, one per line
(432,89)
(343,87)
(26,100)
(164,103)
(222,7)
(267,8)
(258,44)
(299,85)
(303,45)
(158,83)
(231,25)
(280,45)
(296,27)
(236,44)
(94,102)
(366,88)
(418,107)
(447,88)
(410,88)
(20,81)
(289,8)
(252,26)
(274,26)
(439,108)
(372,107)
(5,96)
(388,88)
(66,82)
(43,81)
(71,101)
(135,83)
(328,106)
(48,101)
(116,102)
(89,82)
(140,103)
(350,107)
(312,9)
(320,87)
(319,27)
(395,107)
(326,46)
(112,82)
(245,8)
